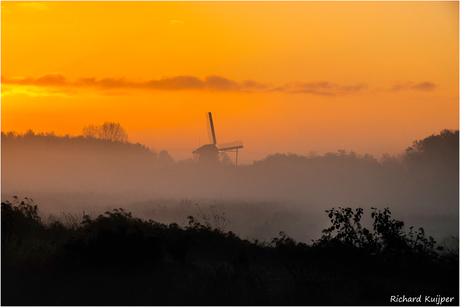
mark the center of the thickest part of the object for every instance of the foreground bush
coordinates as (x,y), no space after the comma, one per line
(117,259)
(388,240)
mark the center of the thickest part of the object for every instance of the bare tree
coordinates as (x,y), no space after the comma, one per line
(108,131)
(90,131)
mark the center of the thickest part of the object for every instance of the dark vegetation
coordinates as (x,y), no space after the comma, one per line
(107,131)
(117,259)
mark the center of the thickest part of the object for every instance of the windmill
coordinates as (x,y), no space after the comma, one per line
(211,152)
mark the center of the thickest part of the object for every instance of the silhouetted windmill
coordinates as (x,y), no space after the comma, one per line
(212,152)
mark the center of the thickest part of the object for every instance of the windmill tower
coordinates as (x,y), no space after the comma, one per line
(210,153)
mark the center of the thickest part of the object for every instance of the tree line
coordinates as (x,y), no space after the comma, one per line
(111,134)
(425,176)
(442,148)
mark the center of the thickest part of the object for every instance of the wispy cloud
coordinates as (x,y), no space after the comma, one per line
(321,88)
(34,5)
(176,22)
(423,86)
(115,86)
(51,79)
(212,83)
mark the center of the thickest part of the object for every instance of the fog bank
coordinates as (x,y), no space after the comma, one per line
(283,192)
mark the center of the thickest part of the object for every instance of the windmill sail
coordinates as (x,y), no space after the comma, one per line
(209,153)
(230,145)
(211,132)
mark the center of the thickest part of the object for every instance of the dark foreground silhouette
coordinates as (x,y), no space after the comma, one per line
(117,259)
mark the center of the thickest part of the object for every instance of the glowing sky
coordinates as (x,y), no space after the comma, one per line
(281,76)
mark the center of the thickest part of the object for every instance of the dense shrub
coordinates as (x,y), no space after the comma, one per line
(117,259)
(388,238)
(387,250)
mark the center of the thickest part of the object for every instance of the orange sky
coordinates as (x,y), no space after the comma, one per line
(281,76)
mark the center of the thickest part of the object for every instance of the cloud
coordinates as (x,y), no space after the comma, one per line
(356,87)
(221,84)
(176,22)
(51,79)
(105,83)
(213,83)
(34,91)
(165,83)
(254,85)
(174,83)
(423,86)
(117,86)
(55,79)
(34,5)
(323,88)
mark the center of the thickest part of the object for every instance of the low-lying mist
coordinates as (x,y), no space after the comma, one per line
(75,175)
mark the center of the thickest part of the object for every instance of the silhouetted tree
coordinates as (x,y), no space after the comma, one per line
(440,147)
(225,159)
(108,131)
(164,158)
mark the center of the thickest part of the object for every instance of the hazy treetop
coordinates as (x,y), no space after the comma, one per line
(107,131)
